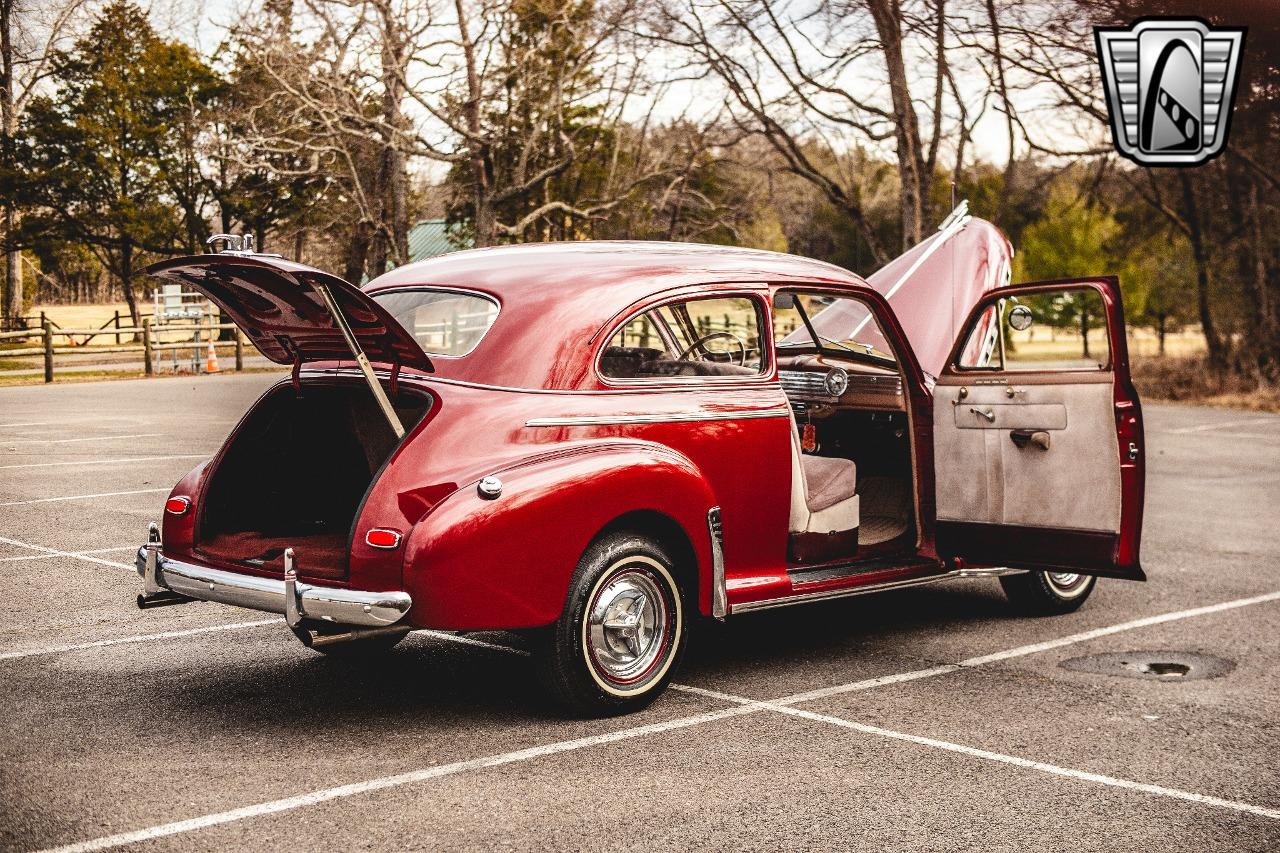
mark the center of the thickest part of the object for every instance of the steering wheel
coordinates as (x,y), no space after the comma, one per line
(700,344)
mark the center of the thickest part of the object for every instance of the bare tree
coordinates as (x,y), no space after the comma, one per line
(799,72)
(1048,48)
(31,34)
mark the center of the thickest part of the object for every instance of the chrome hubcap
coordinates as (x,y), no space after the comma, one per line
(627,626)
(1064,580)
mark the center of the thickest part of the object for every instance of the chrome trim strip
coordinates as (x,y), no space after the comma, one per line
(719,590)
(672,418)
(770,603)
(322,603)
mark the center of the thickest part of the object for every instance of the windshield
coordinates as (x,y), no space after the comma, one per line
(443,322)
(842,324)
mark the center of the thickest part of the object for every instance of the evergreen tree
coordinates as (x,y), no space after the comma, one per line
(111,155)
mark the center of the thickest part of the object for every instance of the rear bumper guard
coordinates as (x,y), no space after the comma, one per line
(169,581)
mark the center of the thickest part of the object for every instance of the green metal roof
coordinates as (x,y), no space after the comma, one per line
(429,238)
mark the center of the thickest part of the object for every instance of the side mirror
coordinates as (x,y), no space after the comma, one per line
(784,300)
(1020,318)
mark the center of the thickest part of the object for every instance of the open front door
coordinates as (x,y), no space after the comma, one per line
(1038,433)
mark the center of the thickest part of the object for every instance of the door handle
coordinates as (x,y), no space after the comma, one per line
(1034,437)
(988,414)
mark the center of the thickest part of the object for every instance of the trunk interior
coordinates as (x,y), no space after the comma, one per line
(296,474)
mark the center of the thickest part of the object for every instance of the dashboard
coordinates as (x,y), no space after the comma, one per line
(815,383)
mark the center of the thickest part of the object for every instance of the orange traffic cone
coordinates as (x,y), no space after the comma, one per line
(211,360)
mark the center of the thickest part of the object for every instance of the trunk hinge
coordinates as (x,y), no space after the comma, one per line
(395,380)
(296,374)
(361,359)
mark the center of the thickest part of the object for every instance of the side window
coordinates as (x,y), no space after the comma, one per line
(443,322)
(1053,330)
(712,337)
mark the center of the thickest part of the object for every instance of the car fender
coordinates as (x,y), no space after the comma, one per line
(476,563)
(177,532)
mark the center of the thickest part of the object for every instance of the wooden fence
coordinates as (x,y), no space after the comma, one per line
(150,342)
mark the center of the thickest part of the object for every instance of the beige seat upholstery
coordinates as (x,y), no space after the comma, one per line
(823,491)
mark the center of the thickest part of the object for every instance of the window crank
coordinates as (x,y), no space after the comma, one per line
(988,414)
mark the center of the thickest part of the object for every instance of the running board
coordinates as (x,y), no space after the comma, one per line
(824,595)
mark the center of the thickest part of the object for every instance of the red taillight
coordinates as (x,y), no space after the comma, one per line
(381,537)
(177,506)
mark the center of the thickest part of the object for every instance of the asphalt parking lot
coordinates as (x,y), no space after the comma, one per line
(928,719)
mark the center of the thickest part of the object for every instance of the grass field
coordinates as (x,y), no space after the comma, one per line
(1038,344)
(86,316)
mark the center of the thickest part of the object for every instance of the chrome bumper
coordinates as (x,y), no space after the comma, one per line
(296,601)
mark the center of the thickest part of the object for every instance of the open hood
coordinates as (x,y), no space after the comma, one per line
(280,305)
(931,288)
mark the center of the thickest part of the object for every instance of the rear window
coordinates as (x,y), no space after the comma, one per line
(444,322)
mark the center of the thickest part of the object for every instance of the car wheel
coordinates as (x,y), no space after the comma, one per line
(622,632)
(1048,593)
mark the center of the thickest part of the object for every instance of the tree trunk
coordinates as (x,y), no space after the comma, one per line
(1010,166)
(14,300)
(126,281)
(1267,326)
(13,295)
(1195,233)
(1084,333)
(395,179)
(1162,329)
(356,253)
(485,221)
(911,163)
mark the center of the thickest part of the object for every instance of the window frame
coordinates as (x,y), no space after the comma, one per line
(461,291)
(764,323)
(893,362)
(994,297)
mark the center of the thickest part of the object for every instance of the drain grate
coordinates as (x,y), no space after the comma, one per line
(1152,665)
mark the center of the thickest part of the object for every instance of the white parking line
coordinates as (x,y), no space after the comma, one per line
(233,626)
(29,424)
(105,461)
(163,635)
(427,773)
(470,641)
(1144,622)
(54,552)
(89,438)
(751,706)
(75,553)
(82,497)
(1016,761)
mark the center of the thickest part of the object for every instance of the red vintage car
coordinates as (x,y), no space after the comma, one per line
(596,443)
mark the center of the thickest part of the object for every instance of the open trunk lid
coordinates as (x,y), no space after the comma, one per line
(281,306)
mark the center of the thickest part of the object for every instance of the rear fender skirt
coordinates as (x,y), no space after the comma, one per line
(476,563)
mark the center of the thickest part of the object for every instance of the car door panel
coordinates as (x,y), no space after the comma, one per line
(1033,468)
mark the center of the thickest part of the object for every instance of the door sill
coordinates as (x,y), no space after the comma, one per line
(803,576)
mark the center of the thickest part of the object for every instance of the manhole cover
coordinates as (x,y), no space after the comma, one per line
(1154,665)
